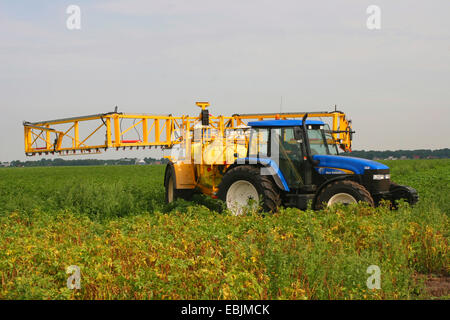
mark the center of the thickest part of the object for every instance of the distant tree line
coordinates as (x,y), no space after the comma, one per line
(370,154)
(85,162)
(402,154)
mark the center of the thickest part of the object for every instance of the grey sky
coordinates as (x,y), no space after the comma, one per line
(162,56)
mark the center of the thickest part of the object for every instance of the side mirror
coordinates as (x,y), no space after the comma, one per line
(298,133)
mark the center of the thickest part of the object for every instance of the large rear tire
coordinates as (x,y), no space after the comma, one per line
(343,191)
(243,183)
(172,193)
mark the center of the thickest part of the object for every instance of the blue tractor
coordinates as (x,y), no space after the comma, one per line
(294,163)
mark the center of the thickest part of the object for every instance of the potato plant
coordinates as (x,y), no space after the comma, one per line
(112,223)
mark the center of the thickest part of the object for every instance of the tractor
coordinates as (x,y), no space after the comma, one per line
(291,163)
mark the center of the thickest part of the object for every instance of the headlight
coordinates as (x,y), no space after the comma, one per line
(381,176)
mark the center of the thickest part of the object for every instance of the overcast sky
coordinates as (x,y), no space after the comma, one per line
(241,55)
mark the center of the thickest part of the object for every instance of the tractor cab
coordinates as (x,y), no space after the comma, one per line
(291,144)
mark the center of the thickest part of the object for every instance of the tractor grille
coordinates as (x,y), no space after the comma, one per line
(376,186)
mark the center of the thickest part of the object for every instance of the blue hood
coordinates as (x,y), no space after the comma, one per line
(329,164)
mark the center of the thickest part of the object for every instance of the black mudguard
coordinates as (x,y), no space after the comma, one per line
(397,192)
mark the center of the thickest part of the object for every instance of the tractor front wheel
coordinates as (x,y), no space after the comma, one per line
(244,184)
(343,191)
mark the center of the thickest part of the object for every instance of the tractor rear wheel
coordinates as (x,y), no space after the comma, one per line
(243,183)
(172,193)
(343,191)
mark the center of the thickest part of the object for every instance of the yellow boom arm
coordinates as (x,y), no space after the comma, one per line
(103,131)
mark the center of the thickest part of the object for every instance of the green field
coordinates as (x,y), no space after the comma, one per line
(112,222)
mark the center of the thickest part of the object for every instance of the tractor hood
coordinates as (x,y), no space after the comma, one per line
(340,164)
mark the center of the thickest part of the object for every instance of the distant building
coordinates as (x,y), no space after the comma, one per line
(141,162)
(5,164)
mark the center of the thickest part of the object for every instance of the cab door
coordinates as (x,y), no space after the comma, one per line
(290,153)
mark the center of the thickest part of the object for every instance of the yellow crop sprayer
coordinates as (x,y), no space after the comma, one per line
(270,159)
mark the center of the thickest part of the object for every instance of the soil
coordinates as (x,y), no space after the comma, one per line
(437,285)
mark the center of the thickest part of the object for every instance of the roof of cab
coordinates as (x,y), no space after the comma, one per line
(283,123)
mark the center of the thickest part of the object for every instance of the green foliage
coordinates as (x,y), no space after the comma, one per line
(99,192)
(113,224)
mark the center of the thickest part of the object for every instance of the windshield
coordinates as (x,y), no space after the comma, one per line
(321,142)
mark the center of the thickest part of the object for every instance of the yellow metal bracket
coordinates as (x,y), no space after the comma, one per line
(202,105)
